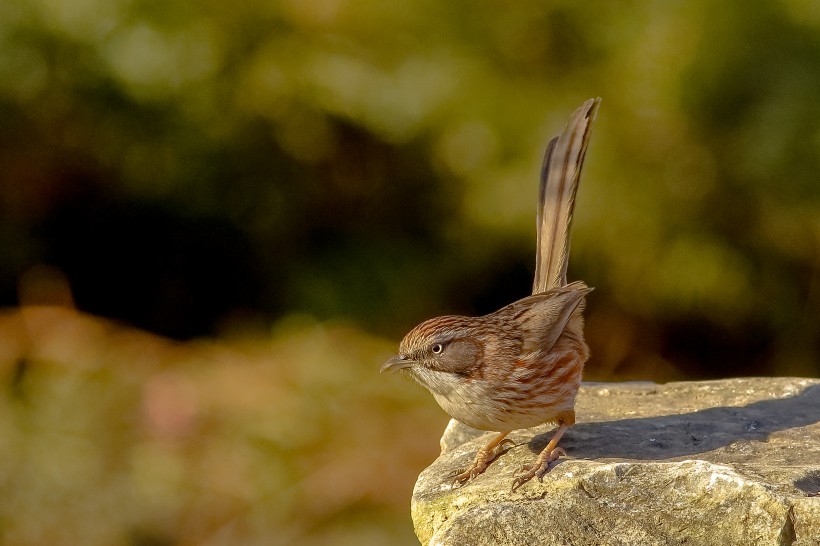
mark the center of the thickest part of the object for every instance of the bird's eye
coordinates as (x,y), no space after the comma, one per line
(437,348)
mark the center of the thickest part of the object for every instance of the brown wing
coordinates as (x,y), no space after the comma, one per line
(541,318)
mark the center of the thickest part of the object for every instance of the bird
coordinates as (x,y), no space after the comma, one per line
(520,366)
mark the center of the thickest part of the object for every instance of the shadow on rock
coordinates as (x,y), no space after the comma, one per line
(688,434)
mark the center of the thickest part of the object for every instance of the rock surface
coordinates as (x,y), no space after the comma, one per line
(733,461)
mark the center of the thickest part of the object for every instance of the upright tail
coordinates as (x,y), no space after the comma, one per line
(559,183)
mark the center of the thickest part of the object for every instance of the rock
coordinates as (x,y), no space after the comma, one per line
(733,461)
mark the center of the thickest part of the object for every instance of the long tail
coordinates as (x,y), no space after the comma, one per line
(559,183)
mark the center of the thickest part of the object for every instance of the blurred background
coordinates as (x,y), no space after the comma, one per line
(217,220)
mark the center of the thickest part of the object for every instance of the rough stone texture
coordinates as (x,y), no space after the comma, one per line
(734,461)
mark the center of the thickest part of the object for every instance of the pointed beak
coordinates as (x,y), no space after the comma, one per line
(398,362)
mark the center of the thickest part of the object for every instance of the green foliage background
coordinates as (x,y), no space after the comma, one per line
(211,168)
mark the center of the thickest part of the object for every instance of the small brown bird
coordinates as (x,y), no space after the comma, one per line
(520,366)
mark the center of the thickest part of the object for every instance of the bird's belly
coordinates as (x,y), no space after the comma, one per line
(500,409)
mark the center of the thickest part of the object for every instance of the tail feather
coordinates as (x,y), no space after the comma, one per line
(560,174)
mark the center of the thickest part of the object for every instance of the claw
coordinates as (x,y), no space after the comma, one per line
(502,448)
(462,478)
(463,475)
(539,469)
(518,482)
(526,474)
(467,474)
(556,453)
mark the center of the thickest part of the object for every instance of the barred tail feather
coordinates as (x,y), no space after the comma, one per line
(560,174)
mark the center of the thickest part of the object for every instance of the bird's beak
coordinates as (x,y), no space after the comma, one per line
(398,362)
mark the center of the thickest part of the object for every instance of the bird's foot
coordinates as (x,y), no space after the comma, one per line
(483,458)
(539,468)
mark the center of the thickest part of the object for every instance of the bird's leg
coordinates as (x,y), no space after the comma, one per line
(549,454)
(483,457)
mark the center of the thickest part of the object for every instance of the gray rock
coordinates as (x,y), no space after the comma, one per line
(734,461)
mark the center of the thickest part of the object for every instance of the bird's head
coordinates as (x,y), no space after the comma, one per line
(438,350)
